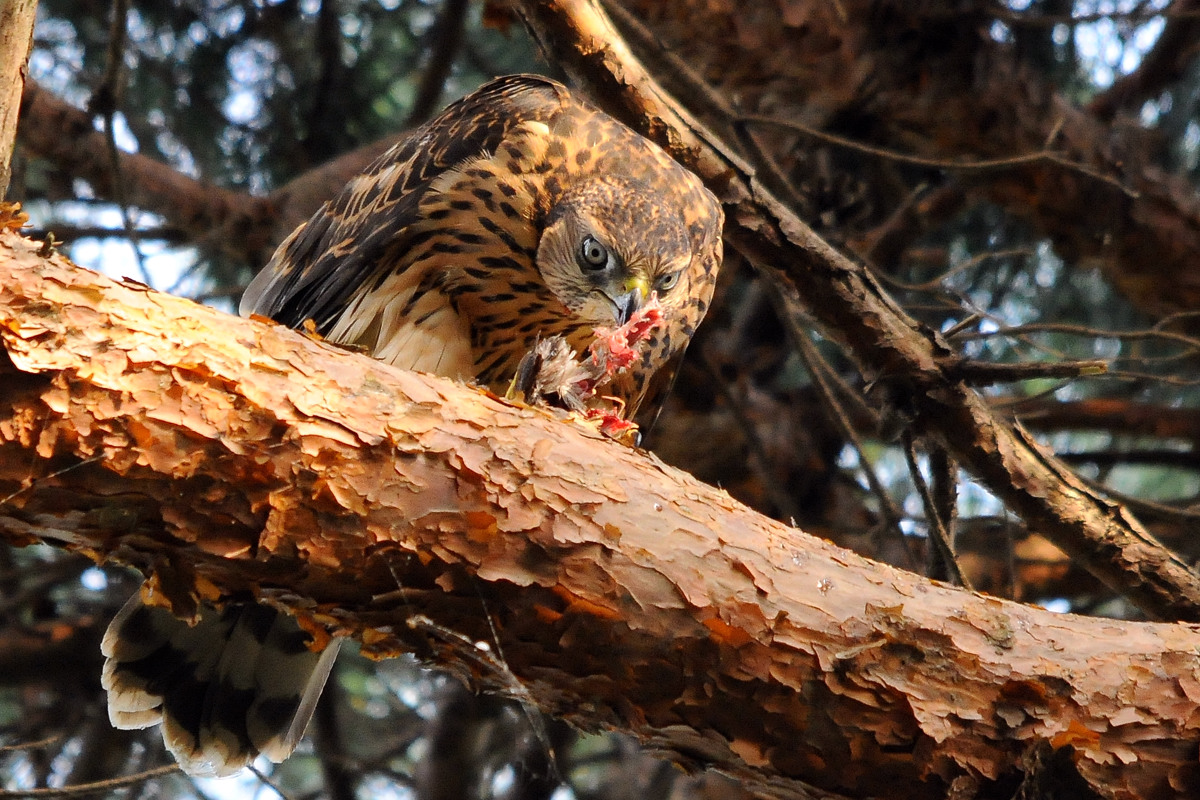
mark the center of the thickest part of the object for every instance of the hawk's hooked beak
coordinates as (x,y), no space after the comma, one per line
(636,291)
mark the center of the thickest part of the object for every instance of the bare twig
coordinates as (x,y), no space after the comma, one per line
(267,781)
(959,165)
(95,787)
(49,740)
(823,380)
(105,102)
(979,373)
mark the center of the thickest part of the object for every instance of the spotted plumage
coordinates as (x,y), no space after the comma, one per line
(521,213)
(454,252)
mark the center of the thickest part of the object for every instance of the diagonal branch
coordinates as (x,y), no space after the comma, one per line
(54,129)
(928,80)
(908,364)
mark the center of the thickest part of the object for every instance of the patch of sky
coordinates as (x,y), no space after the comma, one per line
(891,467)
(1058,605)
(57,59)
(352,26)
(113,256)
(228,20)
(1106,348)
(408,682)
(978,348)
(999,32)
(422,19)
(975,500)
(1048,266)
(381,787)
(250,64)
(122,135)
(198,33)
(154,43)
(94,579)
(176,151)
(244,784)
(1109,47)
(503,780)
(1191,146)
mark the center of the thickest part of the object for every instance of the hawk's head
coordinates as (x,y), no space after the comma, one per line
(608,243)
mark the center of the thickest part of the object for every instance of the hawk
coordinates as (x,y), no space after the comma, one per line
(520,213)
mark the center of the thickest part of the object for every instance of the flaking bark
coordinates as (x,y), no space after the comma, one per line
(231,457)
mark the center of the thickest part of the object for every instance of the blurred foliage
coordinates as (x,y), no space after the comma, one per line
(250,94)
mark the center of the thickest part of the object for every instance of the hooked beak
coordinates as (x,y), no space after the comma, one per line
(636,291)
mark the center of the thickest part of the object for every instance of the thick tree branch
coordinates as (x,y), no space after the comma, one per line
(231,457)
(246,226)
(62,133)
(16,37)
(909,364)
(299,198)
(1114,416)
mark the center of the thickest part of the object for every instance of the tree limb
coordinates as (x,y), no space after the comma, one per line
(57,130)
(246,226)
(931,82)
(16,37)
(228,457)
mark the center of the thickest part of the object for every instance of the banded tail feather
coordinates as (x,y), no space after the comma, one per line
(238,683)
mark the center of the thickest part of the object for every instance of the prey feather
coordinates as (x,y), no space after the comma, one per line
(553,373)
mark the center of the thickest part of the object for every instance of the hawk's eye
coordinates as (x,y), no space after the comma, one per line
(592,255)
(666,283)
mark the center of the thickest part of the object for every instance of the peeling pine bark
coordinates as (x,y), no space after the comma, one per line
(231,457)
